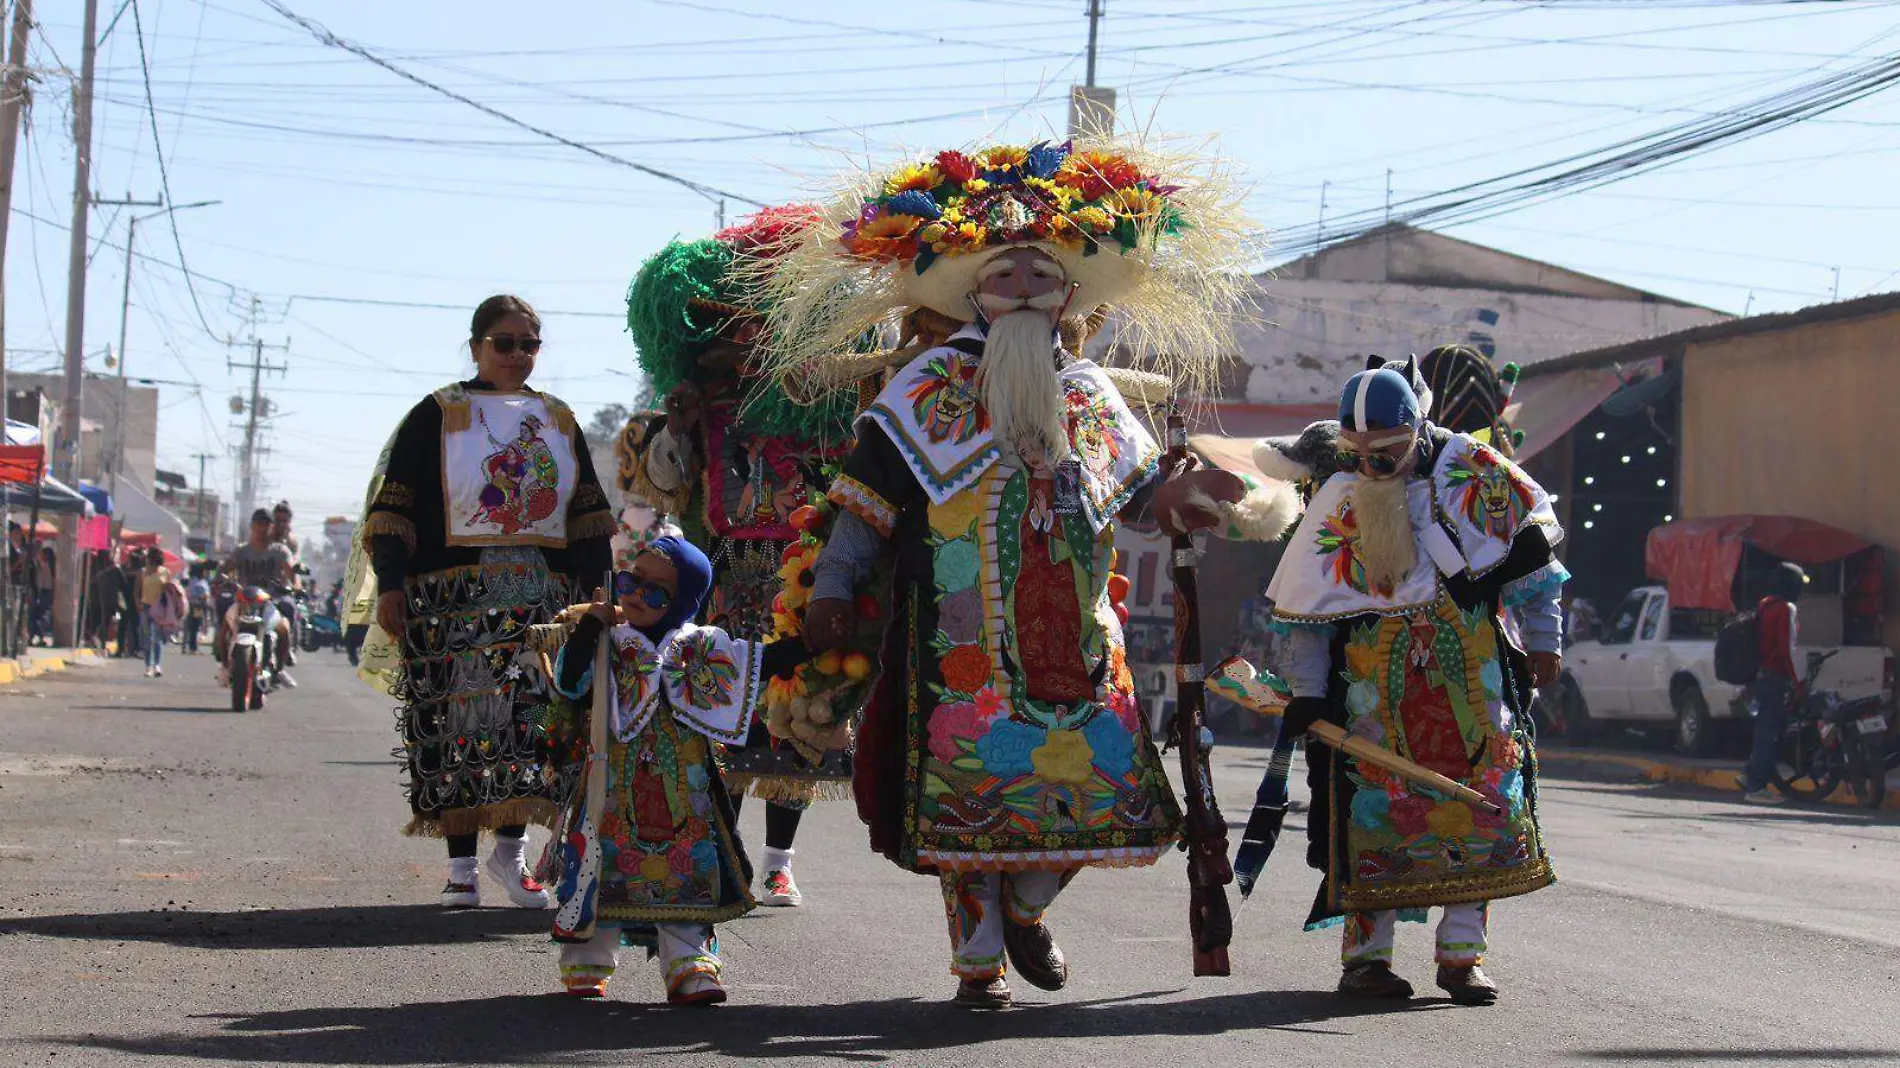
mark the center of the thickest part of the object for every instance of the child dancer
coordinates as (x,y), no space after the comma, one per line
(668,867)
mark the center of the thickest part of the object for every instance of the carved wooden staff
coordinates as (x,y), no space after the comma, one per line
(1210,922)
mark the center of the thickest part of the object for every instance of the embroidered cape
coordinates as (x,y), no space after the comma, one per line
(931,410)
(1465,518)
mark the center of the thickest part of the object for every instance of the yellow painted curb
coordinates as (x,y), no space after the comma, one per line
(9,672)
(1727,780)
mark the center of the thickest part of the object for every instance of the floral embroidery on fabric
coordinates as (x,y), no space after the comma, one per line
(944,399)
(1338,542)
(1092,428)
(522,480)
(1489,495)
(638,663)
(704,673)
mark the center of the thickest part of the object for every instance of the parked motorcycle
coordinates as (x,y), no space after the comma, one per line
(322,632)
(1828,742)
(251,657)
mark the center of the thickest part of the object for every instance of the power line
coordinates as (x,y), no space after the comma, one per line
(1507,192)
(321,33)
(164,177)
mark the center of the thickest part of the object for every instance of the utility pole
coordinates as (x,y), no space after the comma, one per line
(111,456)
(256,409)
(211,536)
(1092,108)
(1321,229)
(66,458)
(12,102)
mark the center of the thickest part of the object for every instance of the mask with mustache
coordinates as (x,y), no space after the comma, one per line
(1018,381)
(1387,547)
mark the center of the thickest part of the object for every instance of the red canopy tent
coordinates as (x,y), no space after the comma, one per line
(1698,558)
(22,463)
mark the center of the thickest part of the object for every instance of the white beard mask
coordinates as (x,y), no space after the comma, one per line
(1020,388)
(1387,547)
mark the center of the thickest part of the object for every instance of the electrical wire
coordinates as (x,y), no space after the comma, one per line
(164,176)
(318,31)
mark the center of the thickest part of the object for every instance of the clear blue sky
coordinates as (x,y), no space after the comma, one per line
(339,180)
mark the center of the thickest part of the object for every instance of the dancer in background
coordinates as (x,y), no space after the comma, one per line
(468,552)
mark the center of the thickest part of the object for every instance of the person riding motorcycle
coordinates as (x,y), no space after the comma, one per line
(259,562)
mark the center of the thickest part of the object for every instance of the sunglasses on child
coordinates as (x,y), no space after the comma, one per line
(506,344)
(1376,464)
(651,594)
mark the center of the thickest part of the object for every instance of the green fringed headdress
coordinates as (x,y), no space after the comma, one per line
(688,295)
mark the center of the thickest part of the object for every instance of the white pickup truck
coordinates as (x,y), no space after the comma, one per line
(1639,675)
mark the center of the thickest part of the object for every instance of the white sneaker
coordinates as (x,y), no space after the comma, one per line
(1764,796)
(522,888)
(158,672)
(780,890)
(462,895)
(148,672)
(282,678)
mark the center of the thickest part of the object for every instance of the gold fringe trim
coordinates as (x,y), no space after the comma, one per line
(788,790)
(458,415)
(548,638)
(380,523)
(592,525)
(563,415)
(453,821)
(1454,891)
(630,914)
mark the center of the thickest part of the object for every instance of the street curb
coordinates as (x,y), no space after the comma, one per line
(32,667)
(1724,779)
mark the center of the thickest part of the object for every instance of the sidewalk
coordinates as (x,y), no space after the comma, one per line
(1723,775)
(37,662)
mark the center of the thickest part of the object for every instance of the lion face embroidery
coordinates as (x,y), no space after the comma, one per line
(1490,495)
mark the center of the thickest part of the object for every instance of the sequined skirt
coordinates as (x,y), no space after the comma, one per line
(476,699)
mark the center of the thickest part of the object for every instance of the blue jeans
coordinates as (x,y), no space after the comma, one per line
(1770,696)
(154,642)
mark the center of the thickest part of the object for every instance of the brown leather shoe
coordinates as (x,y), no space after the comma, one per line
(982,994)
(1374,979)
(1035,956)
(1467,986)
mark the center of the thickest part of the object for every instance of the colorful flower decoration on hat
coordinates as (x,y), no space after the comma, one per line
(1006,195)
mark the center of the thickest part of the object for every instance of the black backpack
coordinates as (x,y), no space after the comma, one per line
(1738,650)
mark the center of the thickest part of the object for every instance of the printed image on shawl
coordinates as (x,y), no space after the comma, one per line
(1488,500)
(510,475)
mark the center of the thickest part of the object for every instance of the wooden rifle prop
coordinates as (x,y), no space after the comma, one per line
(579,886)
(1210,921)
(1236,680)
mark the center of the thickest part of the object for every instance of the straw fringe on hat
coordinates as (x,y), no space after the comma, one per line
(1157,235)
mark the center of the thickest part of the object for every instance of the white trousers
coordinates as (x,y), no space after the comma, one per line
(979,903)
(686,950)
(1462,931)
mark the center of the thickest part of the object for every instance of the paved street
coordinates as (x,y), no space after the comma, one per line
(187,885)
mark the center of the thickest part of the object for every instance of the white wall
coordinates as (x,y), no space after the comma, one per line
(1311,335)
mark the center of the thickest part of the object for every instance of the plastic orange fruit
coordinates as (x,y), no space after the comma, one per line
(1118,588)
(829,662)
(857,667)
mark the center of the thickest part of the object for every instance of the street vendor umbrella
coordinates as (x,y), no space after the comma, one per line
(100,497)
(54,497)
(22,463)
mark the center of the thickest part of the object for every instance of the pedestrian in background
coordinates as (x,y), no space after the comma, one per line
(161,606)
(1776,686)
(197,607)
(129,633)
(43,596)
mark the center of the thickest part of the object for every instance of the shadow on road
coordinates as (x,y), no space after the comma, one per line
(1729,1056)
(552,1028)
(360,927)
(224,710)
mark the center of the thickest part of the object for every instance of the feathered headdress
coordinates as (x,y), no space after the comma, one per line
(1158,238)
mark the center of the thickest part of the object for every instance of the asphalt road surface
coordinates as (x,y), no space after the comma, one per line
(183,885)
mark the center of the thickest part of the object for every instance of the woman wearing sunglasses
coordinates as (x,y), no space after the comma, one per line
(484,509)
(669,866)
